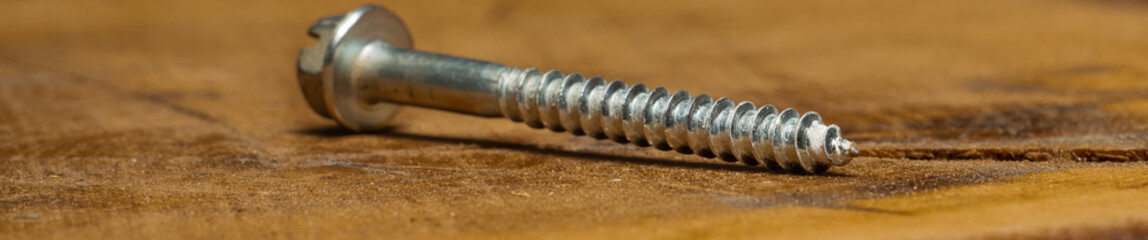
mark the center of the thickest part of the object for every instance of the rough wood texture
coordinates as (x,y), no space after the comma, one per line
(1002,119)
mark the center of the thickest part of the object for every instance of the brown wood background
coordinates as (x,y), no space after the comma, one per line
(132,119)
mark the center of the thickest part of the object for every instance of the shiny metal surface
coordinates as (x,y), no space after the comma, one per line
(364,66)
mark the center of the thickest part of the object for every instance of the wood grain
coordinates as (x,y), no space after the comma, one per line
(182,119)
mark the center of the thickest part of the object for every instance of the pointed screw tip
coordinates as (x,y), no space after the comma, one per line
(852,152)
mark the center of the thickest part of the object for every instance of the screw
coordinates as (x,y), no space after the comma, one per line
(364,67)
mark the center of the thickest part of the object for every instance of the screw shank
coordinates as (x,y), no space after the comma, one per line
(431,80)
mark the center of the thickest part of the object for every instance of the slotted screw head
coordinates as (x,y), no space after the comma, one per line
(363,68)
(334,95)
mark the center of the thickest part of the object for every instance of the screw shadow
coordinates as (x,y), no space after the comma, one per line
(586,156)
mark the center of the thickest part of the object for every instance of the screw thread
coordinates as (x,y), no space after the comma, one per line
(673,121)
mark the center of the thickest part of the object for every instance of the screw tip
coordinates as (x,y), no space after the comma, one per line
(845,152)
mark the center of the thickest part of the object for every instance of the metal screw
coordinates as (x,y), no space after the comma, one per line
(364,66)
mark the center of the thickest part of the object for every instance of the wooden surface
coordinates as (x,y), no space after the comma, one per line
(1001,119)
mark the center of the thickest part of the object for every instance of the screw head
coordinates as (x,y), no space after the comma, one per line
(332,93)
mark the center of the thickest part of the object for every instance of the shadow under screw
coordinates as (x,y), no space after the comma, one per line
(589,156)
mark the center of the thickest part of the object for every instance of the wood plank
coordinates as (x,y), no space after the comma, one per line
(182,119)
